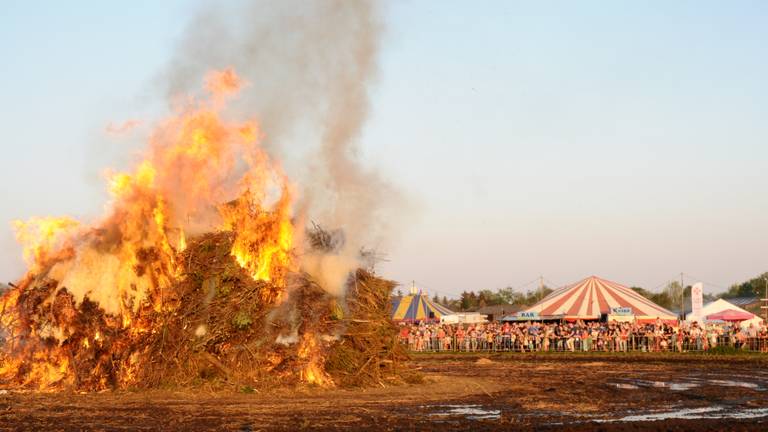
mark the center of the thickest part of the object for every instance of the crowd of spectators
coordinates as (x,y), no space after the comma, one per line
(582,336)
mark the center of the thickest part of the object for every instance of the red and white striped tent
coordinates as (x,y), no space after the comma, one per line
(593,297)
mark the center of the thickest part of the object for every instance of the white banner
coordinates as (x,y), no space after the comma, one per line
(697,299)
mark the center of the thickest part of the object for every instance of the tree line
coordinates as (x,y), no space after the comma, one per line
(471,300)
(669,297)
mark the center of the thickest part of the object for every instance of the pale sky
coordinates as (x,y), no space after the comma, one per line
(561,139)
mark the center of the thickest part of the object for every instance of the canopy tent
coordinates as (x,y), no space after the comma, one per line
(721,305)
(730,315)
(593,298)
(417,307)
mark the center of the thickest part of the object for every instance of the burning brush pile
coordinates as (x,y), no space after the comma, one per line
(199,273)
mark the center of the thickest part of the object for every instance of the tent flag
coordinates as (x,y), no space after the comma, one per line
(417,307)
(593,297)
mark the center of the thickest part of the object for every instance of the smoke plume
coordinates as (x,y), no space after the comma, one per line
(308,66)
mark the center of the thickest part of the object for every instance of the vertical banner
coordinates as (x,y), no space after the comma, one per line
(697,299)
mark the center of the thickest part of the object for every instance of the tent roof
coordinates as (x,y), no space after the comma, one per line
(594,296)
(730,315)
(717,306)
(417,307)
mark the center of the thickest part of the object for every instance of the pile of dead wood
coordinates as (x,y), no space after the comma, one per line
(215,326)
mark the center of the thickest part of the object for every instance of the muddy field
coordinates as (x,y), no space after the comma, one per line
(459,393)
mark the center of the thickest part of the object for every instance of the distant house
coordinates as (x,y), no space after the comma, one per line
(496,312)
(751,304)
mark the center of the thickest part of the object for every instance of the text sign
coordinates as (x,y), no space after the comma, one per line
(621,311)
(697,298)
(528,315)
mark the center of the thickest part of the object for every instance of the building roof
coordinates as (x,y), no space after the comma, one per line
(592,297)
(743,301)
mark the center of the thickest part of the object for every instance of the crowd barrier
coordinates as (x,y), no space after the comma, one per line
(634,343)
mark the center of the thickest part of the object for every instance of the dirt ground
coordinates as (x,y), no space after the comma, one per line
(461,392)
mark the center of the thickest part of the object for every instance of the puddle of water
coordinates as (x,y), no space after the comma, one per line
(624,386)
(471,412)
(714,412)
(693,383)
(730,383)
(682,386)
(674,386)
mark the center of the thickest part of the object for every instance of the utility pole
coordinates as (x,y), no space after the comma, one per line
(541,287)
(765,300)
(682,297)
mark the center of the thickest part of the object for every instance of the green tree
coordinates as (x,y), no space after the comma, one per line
(507,295)
(663,298)
(750,288)
(466,301)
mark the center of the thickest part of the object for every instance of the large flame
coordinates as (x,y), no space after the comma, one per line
(201,172)
(196,160)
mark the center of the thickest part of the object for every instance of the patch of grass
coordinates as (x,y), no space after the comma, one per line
(728,350)
(242,320)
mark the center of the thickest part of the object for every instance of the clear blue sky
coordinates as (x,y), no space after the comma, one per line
(539,138)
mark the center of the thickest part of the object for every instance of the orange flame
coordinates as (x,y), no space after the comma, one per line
(263,239)
(313,372)
(196,160)
(194,163)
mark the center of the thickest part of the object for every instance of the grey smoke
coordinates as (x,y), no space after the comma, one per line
(310,66)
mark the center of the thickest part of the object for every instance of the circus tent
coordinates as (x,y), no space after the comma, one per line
(593,298)
(417,307)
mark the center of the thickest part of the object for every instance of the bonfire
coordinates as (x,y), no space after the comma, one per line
(194,276)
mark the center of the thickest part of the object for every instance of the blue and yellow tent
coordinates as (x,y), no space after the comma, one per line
(417,307)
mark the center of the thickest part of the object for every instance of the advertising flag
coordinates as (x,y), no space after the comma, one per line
(697,299)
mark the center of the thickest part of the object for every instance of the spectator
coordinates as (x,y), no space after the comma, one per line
(581,336)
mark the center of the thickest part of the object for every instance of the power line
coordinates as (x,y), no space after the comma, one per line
(666,282)
(527,284)
(708,283)
(554,285)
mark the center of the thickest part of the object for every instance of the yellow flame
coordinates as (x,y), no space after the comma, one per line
(40,236)
(182,245)
(263,238)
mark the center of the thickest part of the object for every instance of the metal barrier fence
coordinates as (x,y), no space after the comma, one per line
(633,343)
